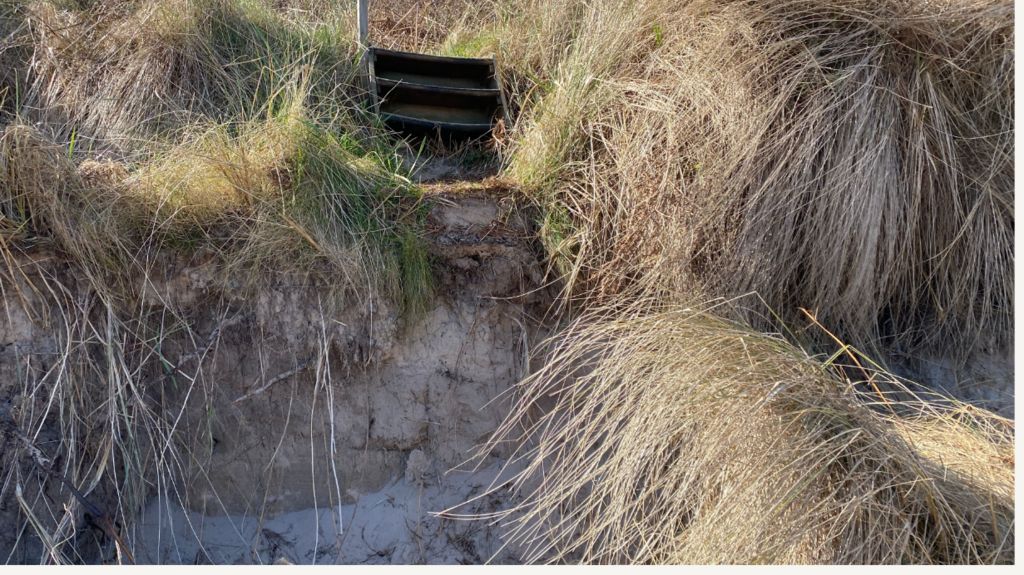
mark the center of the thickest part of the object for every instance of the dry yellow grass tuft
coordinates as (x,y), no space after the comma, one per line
(846,156)
(276,195)
(678,437)
(40,188)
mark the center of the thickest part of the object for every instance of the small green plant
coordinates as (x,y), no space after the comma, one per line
(71,144)
(475,45)
(417,275)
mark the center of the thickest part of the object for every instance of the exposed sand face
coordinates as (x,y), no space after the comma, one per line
(352,472)
(330,432)
(984,379)
(333,426)
(392,526)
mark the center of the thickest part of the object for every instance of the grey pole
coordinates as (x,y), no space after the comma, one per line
(366,60)
(364,23)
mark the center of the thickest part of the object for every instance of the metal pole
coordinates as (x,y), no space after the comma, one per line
(364,23)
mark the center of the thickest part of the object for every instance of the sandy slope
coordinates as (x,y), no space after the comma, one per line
(392,526)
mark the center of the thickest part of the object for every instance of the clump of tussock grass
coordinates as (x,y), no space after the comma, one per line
(112,69)
(592,44)
(43,195)
(125,73)
(241,134)
(675,436)
(850,157)
(283,194)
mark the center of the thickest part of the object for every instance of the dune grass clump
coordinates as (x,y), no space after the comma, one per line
(123,73)
(284,194)
(115,70)
(850,157)
(43,195)
(224,125)
(675,436)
